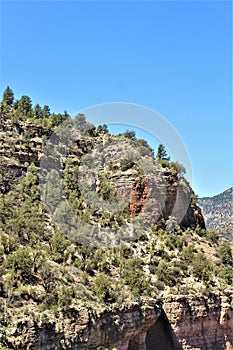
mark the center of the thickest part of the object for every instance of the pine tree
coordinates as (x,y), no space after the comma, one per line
(37,111)
(24,106)
(8,96)
(80,122)
(45,112)
(162,153)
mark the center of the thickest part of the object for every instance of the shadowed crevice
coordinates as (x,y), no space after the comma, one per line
(161,336)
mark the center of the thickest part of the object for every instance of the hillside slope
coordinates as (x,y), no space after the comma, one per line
(166,286)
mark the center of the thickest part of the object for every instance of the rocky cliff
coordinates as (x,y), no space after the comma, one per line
(176,323)
(201,322)
(161,291)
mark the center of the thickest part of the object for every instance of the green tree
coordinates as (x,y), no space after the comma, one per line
(28,184)
(81,122)
(102,287)
(144,147)
(212,236)
(162,153)
(129,134)
(225,253)
(83,126)
(102,129)
(56,119)
(24,106)
(187,254)
(202,267)
(45,113)
(8,96)
(37,111)
(134,276)
(178,168)
(58,244)
(106,190)
(21,261)
(226,274)
(194,198)
(52,190)
(48,278)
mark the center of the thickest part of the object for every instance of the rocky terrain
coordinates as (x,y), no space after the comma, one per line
(218,213)
(179,322)
(168,285)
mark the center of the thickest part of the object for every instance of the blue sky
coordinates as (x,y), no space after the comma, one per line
(171,56)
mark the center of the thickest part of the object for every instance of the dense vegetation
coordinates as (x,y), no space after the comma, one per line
(43,272)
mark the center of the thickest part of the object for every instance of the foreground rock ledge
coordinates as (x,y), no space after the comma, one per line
(177,322)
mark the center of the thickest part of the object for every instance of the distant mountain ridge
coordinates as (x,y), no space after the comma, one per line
(218,213)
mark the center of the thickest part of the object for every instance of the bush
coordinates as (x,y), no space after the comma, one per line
(202,267)
(225,254)
(106,190)
(21,262)
(65,297)
(58,244)
(194,198)
(134,276)
(47,276)
(168,274)
(50,302)
(212,236)
(102,287)
(187,254)
(227,275)
(178,168)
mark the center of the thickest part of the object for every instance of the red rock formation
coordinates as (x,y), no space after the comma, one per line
(139,197)
(170,199)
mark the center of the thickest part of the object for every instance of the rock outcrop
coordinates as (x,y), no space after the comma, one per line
(177,323)
(201,323)
(22,144)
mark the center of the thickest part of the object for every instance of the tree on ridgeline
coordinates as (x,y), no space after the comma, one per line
(129,134)
(8,97)
(37,111)
(102,129)
(45,113)
(162,153)
(23,107)
(80,122)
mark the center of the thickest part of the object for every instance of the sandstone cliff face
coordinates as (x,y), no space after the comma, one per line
(177,323)
(169,199)
(201,323)
(122,329)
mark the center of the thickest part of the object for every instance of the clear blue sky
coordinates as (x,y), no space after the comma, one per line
(171,56)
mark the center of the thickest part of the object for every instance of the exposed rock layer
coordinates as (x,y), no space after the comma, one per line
(179,323)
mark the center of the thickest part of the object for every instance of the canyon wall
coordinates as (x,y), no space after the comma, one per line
(177,323)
